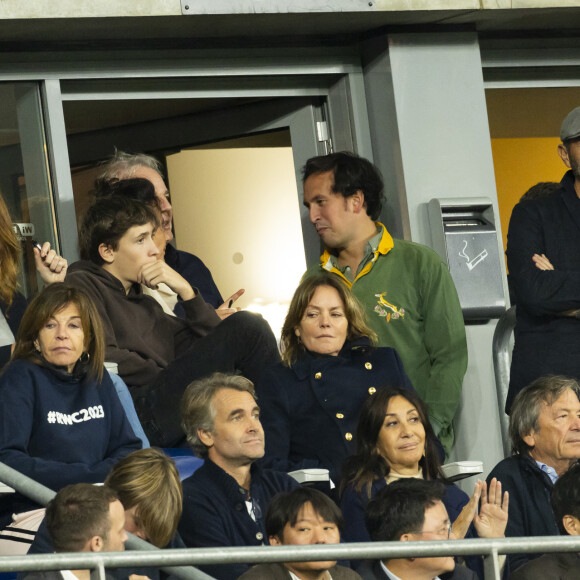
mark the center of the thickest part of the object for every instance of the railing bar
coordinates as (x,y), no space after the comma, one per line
(222,555)
(98,573)
(491,567)
(255,554)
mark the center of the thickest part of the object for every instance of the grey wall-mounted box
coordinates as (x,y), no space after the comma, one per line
(464,235)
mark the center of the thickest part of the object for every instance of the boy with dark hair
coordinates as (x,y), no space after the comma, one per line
(158,355)
(303,516)
(123,166)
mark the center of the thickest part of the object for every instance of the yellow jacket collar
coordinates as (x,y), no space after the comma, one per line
(385,246)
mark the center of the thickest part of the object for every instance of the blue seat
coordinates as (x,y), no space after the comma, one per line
(185,461)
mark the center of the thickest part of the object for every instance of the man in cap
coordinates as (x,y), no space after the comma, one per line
(543,256)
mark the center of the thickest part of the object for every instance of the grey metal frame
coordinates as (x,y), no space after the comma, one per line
(261,7)
(60,168)
(547,63)
(332,73)
(502,347)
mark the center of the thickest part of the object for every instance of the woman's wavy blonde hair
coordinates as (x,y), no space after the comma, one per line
(9,253)
(292,347)
(148,481)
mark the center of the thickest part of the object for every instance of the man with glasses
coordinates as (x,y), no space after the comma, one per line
(412,510)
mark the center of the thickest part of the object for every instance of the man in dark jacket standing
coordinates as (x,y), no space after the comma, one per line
(543,257)
(545,434)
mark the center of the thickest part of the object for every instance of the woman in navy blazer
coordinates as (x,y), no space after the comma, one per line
(311,401)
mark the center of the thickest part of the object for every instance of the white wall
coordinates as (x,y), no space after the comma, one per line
(237,209)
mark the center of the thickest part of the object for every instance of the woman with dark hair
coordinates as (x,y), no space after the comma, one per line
(395,441)
(311,401)
(61,419)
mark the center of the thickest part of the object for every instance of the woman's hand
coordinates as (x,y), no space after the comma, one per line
(464,519)
(50,266)
(493,512)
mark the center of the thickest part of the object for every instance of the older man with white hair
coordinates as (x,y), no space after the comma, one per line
(545,435)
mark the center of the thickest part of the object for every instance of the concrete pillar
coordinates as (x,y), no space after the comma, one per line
(430,138)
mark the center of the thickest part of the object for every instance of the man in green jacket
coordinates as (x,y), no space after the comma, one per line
(406,289)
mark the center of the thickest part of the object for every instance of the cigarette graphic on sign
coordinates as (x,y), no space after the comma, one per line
(475,261)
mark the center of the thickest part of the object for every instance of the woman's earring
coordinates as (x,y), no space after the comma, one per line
(36,346)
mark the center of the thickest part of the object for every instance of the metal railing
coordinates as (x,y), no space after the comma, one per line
(173,561)
(501,352)
(262,554)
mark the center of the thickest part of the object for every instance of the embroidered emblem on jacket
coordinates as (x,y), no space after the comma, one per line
(386,309)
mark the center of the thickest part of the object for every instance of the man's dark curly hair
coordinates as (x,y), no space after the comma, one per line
(351,174)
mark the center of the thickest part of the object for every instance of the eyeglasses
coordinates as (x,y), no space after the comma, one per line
(444,532)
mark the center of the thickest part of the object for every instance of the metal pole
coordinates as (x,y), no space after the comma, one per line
(264,554)
(491,568)
(26,486)
(501,365)
(98,573)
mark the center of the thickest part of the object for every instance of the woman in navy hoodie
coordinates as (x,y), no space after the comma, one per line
(61,420)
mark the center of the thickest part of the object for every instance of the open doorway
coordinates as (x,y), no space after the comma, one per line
(236,201)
